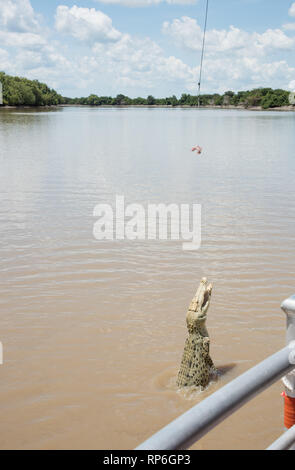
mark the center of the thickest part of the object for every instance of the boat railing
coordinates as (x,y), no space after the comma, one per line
(191,426)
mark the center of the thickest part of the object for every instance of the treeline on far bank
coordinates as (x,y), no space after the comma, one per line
(18,91)
(261,97)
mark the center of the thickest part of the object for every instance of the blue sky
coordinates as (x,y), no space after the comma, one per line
(142,47)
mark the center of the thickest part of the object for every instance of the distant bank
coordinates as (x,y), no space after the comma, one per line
(18,91)
(290,108)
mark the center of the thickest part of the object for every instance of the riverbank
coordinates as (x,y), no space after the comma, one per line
(253,108)
(30,107)
(290,108)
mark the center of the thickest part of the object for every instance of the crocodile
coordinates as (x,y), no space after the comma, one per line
(196,365)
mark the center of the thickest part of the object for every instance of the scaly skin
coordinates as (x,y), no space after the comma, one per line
(197,365)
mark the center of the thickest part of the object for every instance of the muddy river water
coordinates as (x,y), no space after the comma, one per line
(93,330)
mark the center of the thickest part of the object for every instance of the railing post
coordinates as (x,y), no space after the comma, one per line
(288,306)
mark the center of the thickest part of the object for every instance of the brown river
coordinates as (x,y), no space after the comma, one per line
(93,330)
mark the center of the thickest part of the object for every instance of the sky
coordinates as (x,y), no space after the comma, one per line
(149,47)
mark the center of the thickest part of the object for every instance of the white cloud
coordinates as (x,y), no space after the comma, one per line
(23,40)
(4,59)
(245,73)
(18,16)
(145,3)
(292,10)
(20,25)
(187,33)
(85,24)
(126,61)
(109,61)
(48,57)
(273,39)
(141,63)
(289,26)
(30,49)
(235,58)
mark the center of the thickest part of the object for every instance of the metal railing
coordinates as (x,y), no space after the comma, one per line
(284,442)
(199,420)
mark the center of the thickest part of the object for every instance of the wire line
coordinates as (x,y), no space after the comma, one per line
(202,55)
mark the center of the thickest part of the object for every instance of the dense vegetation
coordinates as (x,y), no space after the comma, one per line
(23,92)
(19,91)
(264,97)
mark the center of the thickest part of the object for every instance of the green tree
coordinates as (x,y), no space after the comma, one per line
(18,91)
(151,100)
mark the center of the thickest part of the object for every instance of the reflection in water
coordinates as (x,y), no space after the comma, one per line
(93,331)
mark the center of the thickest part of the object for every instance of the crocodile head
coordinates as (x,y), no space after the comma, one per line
(197,311)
